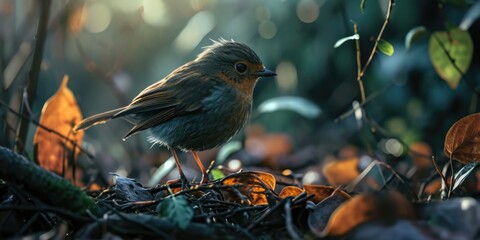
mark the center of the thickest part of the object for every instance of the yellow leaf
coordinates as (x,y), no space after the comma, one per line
(60,113)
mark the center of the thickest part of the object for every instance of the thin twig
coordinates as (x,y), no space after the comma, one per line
(34,72)
(379,36)
(267,213)
(289,222)
(359,65)
(126,217)
(444,179)
(361,72)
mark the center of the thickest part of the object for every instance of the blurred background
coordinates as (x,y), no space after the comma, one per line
(112,49)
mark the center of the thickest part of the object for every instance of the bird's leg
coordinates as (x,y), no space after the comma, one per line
(183,179)
(202,168)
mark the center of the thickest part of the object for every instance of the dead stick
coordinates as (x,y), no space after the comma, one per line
(34,72)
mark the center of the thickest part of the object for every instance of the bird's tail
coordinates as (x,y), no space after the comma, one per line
(97,119)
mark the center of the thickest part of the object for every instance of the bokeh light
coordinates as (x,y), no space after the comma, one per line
(394,147)
(308,10)
(234,165)
(267,29)
(154,13)
(286,76)
(311,177)
(98,17)
(127,6)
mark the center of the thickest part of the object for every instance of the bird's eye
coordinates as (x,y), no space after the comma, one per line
(241,67)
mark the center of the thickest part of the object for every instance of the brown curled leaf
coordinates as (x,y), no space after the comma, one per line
(321,192)
(462,141)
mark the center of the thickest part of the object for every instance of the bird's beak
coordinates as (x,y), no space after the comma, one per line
(265,73)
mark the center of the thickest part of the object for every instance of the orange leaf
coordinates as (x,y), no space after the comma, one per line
(383,206)
(60,113)
(94,187)
(462,141)
(321,192)
(253,187)
(342,171)
(290,191)
(421,154)
(433,187)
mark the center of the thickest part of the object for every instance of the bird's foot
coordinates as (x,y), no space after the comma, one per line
(184,184)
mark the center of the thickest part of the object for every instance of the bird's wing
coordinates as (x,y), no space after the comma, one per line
(176,95)
(151,121)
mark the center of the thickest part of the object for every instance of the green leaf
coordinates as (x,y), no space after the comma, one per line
(414,35)
(177,210)
(217,174)
(385,47)
(459,46)
(343,40)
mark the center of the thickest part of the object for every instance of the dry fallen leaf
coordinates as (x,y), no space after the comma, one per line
(383,206)
(321,192)
(462,141)
(288,191)
(321,213)
(60,113)
(341,172)
(253,190)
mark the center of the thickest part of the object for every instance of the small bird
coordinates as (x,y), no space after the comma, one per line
(199,105)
